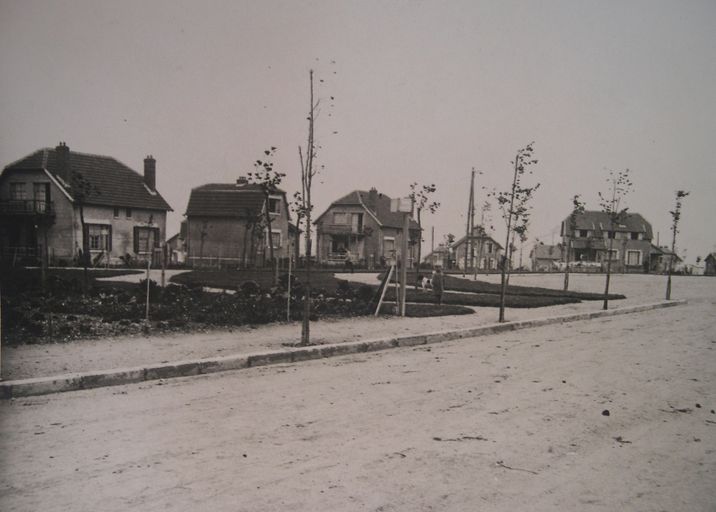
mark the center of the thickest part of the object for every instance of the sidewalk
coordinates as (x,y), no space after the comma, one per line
(31,361)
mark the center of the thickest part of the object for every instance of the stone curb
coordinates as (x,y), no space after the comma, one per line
(120,376)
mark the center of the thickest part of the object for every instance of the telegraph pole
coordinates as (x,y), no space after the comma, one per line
(470,220)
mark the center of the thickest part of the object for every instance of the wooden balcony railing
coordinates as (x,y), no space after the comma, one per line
(27,207)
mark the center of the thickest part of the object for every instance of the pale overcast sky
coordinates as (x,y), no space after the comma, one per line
(423,91)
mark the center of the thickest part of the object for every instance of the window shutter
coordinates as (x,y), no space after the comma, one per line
(109,239)
(136,240)
(156,237)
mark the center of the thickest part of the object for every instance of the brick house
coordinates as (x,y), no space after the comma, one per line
(225,225)
(484,252)
(631,249)
(40,217)
(360,225)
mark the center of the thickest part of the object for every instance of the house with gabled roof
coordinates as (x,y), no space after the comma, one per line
(546,258)
(40,213)
(483,251)
(361,227)
(631,246)
(225,225)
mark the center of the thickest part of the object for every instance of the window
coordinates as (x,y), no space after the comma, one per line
(276,238)
(388,247)
(17,191)
(100,237)
(614,254)
(340,218)
(583,233)
(634,235)
(634,258)
(145,239)
(116,212)
(128,213)
(274,205)
(610,234)
(489,247)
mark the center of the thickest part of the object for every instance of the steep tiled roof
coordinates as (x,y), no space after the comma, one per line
(225,200)
(599,221)
(112,182)
(378,204)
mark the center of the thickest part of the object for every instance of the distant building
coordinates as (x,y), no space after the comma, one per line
(631,246)
(546,258)
(660,259)
(361,227)
(483,252)
(710,265)
(124,214)
(441,256)
(225,225)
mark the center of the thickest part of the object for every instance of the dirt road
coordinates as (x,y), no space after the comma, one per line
(506,422)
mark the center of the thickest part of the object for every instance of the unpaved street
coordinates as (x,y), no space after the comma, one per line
(506,422)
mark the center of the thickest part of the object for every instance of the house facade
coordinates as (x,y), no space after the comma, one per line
(225,225)
(630,239)
(547,258)
(45,195)
(361,227)
(483,251)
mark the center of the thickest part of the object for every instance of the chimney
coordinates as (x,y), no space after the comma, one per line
(63,162)
(372,198)
(241,181)
(150,172)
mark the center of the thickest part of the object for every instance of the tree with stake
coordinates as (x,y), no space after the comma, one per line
(619,187)
(268,180)
(675,216)
(514,204)
(420,196)
(577,210)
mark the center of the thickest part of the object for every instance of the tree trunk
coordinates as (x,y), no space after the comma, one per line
(503,280)
(566,267)
(420,247)
(270,241)
(605,306)
(85,248)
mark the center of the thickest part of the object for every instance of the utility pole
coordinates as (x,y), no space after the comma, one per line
(404,267)
(470,221)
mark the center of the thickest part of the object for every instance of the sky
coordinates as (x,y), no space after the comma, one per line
(410,91)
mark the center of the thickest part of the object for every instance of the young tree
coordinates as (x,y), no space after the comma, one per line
(577,210)
(81,190)
(515,207)
(268,180)
(308,172)
(612,204)
(420,196)
(675,217)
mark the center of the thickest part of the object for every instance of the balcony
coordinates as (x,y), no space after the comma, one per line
(342,229)
(27,207)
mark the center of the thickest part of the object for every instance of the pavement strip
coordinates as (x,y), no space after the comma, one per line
(120,376)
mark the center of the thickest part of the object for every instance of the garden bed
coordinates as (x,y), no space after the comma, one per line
(484,299)
(482,287)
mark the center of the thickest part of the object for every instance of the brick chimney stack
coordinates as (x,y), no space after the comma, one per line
(150,172)
(63,161)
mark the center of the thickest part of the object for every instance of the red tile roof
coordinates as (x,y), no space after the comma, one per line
(112,182)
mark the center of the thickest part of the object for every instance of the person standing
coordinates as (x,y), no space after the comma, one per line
(438,284)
